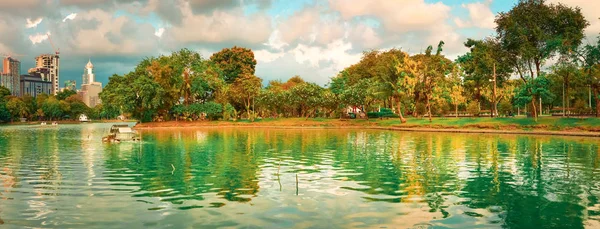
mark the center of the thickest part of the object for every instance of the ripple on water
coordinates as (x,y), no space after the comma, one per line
(291,178)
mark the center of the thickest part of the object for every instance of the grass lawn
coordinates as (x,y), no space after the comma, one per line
(515,123)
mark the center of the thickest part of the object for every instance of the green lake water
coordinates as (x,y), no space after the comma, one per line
(65,177)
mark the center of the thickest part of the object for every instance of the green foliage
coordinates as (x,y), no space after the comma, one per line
(505,108)
(538,87)
(62,95)
(234,62)
(5,116)
(52,108)
(228,112)
(383,113)
(4,92)
(473,108)
(581,107)
(210,110)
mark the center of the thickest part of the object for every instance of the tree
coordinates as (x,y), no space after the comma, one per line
(234,62)
(77,107)
(4,92)
(30,106)
(244,90)
(51,108)
(307,97)
(16,107)
(590,60)
(62,95)
(457,97)
(533,31)
(4,114)
(431,72)
(482,65)
(533,89)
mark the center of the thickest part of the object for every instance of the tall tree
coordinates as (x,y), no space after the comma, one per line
(533,31)
(244,90)
(235,62)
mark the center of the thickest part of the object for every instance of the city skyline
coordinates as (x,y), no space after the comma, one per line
(313,39)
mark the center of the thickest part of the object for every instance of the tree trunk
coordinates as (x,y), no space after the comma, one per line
(567,96)
(429,108)
(534,108)
(402,119)
(597,101)
(248,109)
(456,110)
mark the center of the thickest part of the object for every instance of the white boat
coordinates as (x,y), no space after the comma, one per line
(55,123)
(120,133)
(43,123)
(83,118)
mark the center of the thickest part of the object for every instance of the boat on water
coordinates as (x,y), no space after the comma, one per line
(120,133)
(43,123)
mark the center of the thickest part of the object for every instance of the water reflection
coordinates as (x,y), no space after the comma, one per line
(247,177)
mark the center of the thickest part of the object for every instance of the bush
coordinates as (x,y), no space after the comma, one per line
(505,108)
(440,109)
(421,109)
(228,112)
(580,107)
(383,113)
(473,108)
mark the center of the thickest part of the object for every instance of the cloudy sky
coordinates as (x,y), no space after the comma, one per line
(311,38)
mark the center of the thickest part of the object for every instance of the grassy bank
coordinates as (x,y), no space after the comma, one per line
(485,123)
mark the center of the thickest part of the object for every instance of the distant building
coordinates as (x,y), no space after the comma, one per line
(71,85)
(10,76)
(34,85)
(90,89)
(52,63)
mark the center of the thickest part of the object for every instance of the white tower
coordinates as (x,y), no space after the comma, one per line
(88,73)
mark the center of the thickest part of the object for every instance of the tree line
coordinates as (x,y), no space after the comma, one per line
(66,105)
(497,76)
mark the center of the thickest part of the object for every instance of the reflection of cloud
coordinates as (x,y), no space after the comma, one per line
(38,38)
(70,17)
(34,23)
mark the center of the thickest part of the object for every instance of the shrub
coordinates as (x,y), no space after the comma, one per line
(580,107)
(383,113)
(473,108)
(505,108)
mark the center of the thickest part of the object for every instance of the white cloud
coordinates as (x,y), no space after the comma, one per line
(480,15)
(159,32)
(335,52)
(34,23)
(265,56)
(112,35)
(221,26)
(70,17)
(396,16)
(38,38)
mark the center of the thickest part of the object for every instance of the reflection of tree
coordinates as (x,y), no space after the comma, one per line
(538,195)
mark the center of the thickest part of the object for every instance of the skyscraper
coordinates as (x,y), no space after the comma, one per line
(90,90)
(11,75)
(52,63)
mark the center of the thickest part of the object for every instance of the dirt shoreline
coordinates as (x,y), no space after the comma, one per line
(211,125)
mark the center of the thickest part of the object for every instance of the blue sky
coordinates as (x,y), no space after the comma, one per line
(311,38)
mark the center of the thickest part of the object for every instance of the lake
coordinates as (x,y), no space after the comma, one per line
(65,177)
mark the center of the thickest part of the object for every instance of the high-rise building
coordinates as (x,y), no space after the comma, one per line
(11,73)
(52,63)
(71,85)
(34,85)
(90,90)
